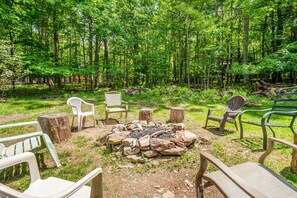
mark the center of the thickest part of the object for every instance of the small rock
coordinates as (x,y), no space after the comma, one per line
(168,194)
(117,148)
(116,138)
(150,153)
(179,126)
(156,163)
(205,140)
(158,144)
(144,142)
(131,151)
(188,184)
(135,159)
(189,137)
(129,142)
(174,151)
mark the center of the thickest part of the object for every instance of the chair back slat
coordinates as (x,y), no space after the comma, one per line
(236,103)
(113,99)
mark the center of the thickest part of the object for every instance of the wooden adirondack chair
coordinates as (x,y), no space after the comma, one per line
(233,109)
(114,104)
(51,187)
(27,142)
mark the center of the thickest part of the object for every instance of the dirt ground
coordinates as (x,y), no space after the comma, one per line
(126,182)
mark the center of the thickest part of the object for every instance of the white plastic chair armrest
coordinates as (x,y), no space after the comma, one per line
(9,192)
(21,124)
(79,184)
(20,137)
(20,158)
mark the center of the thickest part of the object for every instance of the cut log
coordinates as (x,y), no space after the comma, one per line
(56,126)
(146,114)
(294,156)
(177,114)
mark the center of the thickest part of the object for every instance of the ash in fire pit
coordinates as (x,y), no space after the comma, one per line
(151,140)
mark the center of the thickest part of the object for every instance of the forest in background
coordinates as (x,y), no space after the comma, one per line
(123,43)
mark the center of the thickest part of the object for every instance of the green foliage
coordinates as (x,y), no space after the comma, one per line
(11,65)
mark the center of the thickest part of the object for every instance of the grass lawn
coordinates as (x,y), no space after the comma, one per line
(81,152)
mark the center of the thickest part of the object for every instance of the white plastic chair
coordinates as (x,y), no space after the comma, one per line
(51,187)
(27,142)
(114,104)
(76,105)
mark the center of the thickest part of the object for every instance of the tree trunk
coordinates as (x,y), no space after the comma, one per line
(245,50)
(263,36)
(280,26)
(97,51)
(106,62)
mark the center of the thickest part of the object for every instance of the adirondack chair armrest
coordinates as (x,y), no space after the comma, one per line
(211,110)
(20,158)
(232,112)
(271,141)
(205,157)
(21,124)
(20,137)
(96,187)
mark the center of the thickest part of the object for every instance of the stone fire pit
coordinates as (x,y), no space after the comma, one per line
(151,139)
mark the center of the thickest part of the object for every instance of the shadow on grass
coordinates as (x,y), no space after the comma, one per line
(255,144)
(289,175)
(215,131)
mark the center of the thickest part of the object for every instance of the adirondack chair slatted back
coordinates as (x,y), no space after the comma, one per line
(75,104)
(235,104)
(113,99)
(35,141)
(20,147)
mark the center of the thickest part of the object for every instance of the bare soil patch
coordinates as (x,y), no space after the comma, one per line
(128,180)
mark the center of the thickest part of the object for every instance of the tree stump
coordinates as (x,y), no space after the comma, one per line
(177,114)
(56,126)
(146,114)
(294,156)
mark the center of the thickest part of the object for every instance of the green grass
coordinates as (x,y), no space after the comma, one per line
(28,102)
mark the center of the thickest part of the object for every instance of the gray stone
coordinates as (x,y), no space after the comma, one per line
(205,140)
(174,151)
(129,142)
(116,148)
(116,138)
(131,151)
(144,142)
(189,137)
(179,126)
(158,144)
(150,153)
(135,159)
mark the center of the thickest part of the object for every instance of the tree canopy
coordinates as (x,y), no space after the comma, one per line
(147,43)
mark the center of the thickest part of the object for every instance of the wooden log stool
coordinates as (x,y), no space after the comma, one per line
(56,126)
(146,114)
(177,114)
